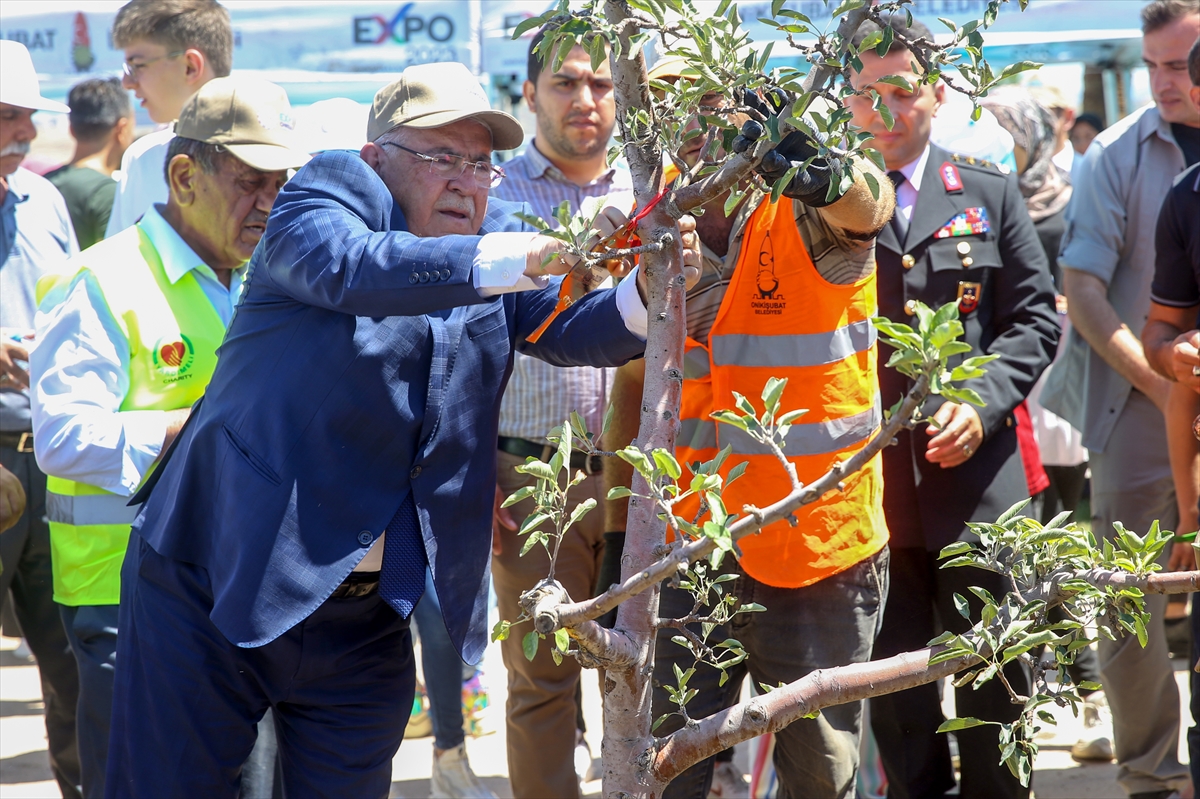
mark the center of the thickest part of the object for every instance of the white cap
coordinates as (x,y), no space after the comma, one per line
(19,85)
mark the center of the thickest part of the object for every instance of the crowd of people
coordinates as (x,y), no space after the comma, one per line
(262,397)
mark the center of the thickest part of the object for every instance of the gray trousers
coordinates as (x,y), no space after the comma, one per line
(829,623)
(1131,483)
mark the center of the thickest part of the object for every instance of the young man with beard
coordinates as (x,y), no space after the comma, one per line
(129,346)
(1105,386)
(566,161)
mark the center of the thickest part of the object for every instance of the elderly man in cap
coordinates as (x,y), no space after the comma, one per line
(345,444)
(129,343)
(35,236)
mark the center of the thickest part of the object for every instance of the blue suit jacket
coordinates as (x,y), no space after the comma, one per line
(361,364)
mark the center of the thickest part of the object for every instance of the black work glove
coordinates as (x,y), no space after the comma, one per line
(809,186)
(610,571)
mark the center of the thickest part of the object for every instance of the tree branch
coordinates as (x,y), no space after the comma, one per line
(827,687)
(773,711)
(574,613)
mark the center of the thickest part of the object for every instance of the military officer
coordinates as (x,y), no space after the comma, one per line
(960,233)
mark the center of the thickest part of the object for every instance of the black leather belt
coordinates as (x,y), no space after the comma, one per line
(21,442)
(524,448)
(357,584)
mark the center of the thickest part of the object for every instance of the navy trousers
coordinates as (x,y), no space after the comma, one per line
(92,631)
(186,702)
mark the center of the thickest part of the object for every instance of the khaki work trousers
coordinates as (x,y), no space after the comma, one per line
(541,696)
(1131,483)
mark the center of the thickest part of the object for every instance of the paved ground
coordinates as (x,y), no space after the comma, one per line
(24,772)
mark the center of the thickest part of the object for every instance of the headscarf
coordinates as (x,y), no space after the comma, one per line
(1045,187)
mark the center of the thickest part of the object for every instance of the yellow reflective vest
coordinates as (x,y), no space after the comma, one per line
(173,333)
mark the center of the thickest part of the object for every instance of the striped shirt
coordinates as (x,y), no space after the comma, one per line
(839,259)
(540,396)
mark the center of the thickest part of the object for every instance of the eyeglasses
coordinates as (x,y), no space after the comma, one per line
(132,70)
(451,167)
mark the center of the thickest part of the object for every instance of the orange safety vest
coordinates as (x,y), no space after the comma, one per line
(780,318)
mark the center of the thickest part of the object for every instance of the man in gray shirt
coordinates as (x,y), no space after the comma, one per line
(1104,386)
(35,237)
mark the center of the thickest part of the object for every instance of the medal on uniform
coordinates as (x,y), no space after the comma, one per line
(970,222)
(968,296)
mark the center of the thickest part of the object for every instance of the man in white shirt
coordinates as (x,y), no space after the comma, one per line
(35,236)
(130,344)
(172,48)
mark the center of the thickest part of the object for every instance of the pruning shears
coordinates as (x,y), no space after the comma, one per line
(583,278)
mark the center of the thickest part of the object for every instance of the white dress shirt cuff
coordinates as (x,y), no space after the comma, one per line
(629,303)
(144,435)
(500,264)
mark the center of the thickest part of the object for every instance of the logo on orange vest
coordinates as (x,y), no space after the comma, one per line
(172,358)
(768,300)
(968,296)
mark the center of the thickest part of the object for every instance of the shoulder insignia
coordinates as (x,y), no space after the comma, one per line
(950,178)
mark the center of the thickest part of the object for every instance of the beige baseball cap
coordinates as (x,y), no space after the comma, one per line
(433,95)
(249,117)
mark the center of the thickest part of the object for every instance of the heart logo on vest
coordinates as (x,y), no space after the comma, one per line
(173,356)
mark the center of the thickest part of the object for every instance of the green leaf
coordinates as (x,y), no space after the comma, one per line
(960,604)
(532,522)
(1017,68)
(529,644)
(522,493)
(562,640)
(619,492)
(581,510)
(772,393)
(666,462)
(1088,685)
(658,721)
(536,468)
(957,548)
(897,81)
(950,725)
(847,5)
(501,630)
(529,24)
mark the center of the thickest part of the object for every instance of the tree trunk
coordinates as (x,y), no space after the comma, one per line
(627,746)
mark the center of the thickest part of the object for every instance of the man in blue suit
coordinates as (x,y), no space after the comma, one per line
(346,441)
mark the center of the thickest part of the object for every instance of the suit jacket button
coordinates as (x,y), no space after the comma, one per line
(910,307)
(365,538)
(424,277)
(413,278)
(907,261)
(963,247)
(415,473)
(1009,421)
(445,274)
(968,262)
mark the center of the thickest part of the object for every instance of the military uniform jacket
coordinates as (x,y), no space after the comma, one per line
(970,240)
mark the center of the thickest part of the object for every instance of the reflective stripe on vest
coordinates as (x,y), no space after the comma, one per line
(172,332)
(780,318)
(817,438)
(83,510)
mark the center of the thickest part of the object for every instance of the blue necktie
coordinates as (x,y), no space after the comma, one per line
(402,579)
